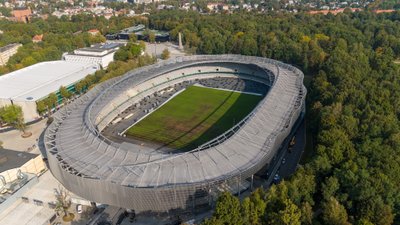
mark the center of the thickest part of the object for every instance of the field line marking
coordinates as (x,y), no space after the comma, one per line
(143,117)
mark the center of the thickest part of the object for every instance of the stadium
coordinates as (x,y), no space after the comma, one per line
(172,136)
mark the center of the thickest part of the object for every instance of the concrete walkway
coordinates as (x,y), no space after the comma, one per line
(12,140)
(158,48)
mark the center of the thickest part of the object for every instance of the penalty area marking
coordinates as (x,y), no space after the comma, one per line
(158,107)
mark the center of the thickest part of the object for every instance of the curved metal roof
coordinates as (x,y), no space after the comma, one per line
(75,139)
(37,81)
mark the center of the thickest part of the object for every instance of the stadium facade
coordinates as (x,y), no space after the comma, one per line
(146,180)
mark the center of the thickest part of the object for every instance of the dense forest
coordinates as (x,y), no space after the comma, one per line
(352,175)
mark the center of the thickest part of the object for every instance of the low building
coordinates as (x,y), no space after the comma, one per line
(7,51)
(21,15)
(160,36)
(94,32)
(37,38)
(217,6)
(145,1)
(101,54)
(125,33)
(26,86)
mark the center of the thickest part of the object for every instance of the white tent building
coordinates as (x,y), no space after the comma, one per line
(26,86)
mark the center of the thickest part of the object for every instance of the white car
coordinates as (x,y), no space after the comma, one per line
(79,208)
(283,161)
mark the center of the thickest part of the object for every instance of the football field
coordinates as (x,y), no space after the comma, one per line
(194,117)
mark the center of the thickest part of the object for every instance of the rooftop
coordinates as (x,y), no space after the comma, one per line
(37,81)
(102,47)
(156,32)
(8,47)
(133,29)
(37,37)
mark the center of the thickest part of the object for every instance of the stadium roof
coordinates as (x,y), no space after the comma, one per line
(37,81)
(81,149)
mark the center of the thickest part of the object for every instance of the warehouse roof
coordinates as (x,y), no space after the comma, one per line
(37,81)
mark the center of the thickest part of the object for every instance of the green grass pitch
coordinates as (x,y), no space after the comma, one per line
(194,117)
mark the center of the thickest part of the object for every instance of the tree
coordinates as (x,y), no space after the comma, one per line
(135,50)
(65,94)
(5,11)
(280,209)
(329,187)
(13,115)
(132,38)
(121,55)
(227,209)
(41,106)
(334,213)
(253,208)
(306,213)
(80,86)
(152,37)
(63,203)
(51,101)
(165,54)
(28,61)
(142,45)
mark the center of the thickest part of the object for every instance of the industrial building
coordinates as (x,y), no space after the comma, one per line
(146,180)
(139,31)
(26,86)
(101,54)
(7,51)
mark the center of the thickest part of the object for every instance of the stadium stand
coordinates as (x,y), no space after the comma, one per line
(137,177)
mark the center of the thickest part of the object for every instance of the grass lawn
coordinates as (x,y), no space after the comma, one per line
(194,117)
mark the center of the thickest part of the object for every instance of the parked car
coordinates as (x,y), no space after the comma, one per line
(277,178)
(79,208)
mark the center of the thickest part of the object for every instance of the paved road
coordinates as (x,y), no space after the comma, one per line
(156,49)
(284,170)
(292,159)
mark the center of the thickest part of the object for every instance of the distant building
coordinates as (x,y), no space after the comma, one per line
(334,12)
(108,15)
(7,51)
(37,38)
(378,11)
(139,31)
(94,32)
(217,6)
(160,36)
(26,86)
(21,15)
(145,1)
(124,34)
(101,54)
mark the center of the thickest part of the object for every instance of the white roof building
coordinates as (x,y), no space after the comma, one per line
(26,86)
(101,54)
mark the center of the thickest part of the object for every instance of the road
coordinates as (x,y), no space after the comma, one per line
(292,159)
(284,170)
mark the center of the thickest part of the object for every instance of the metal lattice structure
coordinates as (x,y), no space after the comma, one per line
(146,180)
